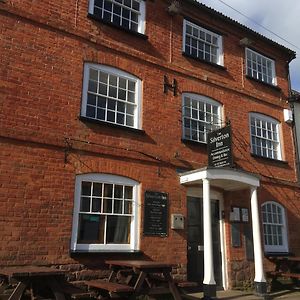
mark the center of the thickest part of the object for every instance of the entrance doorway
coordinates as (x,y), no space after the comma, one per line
(195,251)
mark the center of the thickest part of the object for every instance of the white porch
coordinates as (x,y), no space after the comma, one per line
(227,180)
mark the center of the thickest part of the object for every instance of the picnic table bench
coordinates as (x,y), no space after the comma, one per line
(285,267)
(134,277)
(34,280)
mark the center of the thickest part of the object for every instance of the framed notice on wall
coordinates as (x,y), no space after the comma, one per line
(245,215)
(235,214)
(155,214)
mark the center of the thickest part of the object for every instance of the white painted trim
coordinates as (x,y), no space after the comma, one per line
(91,6)
(257,246)
(116,72)
(142,21)
(209,276)
(225,174)
(113,179)
(223,245)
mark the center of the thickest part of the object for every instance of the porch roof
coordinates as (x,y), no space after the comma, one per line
(224,178)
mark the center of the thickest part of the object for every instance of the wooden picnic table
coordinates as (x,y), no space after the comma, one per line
(285,266)
(32,278)
(137,277)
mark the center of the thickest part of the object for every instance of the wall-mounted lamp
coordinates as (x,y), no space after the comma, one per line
(288,116)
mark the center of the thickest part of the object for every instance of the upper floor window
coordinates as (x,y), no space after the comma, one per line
(265,139)
(111,95)
(260,67)
(200,115)
(201,43)
(105,213)
(274,227)
(128,14)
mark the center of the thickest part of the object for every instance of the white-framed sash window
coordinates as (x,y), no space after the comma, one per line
(202,43)
(265,138)
(200,115)
(274,227)
(105,213)
(260,67)
(111,95)
(127,14)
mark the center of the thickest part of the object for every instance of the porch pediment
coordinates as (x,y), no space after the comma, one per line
(224,178)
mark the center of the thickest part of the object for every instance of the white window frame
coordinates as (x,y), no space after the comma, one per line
(274,123)
(205,100)
(118,73)
(220,55)
(141,18)
(110,179)
(276,248)
(254,67)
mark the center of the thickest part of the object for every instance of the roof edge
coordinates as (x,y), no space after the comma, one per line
(291,53)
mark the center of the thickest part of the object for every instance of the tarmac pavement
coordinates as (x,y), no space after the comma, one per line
(241,295)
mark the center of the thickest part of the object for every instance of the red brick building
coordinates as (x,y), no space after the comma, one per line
(104,102)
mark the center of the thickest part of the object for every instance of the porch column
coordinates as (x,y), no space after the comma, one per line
(259,279)
(209,283)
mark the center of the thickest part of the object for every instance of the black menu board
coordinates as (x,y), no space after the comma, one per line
(156,214)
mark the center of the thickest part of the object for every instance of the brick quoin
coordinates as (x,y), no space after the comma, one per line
(44,145)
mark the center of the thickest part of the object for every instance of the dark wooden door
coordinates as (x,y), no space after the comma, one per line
(195,251)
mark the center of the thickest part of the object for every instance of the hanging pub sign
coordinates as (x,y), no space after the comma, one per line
(219,147)
(156,214)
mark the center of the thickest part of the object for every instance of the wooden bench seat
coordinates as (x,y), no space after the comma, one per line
(179,283)
(274,273)
(186,284)
(290,275)
(110,286)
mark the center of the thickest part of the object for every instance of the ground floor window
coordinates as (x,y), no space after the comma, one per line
(105,213)
(274,227)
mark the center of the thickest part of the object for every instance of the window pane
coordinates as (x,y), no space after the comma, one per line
(86,188)
(85,204)
(118,230)
(108,190)
(97,189)
(128,207)
(92,99)
(118,191)
(118,207)
(96,205)
(128,192)
(107,205)
(91,229)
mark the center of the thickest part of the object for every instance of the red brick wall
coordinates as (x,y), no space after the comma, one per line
(43,49)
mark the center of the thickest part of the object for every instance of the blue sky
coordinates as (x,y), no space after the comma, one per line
(280,17)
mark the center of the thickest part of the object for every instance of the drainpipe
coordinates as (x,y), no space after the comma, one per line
(291,100)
